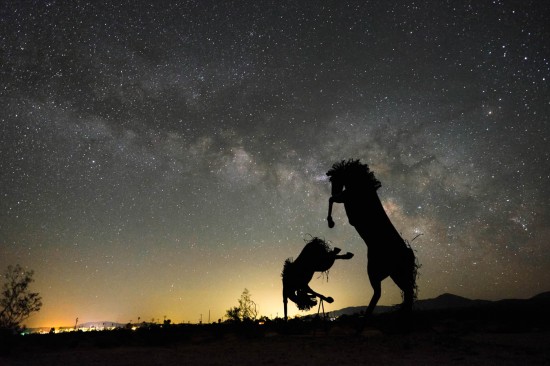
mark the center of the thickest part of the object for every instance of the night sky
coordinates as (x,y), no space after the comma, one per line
(156,158)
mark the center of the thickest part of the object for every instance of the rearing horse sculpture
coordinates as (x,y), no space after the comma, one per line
(354,185)
(317,256)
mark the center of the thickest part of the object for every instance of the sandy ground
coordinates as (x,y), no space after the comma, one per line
(337,346)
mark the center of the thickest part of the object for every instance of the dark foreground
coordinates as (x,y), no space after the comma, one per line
(374,349)
(465,337)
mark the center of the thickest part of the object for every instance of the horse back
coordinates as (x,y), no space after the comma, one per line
(317,257)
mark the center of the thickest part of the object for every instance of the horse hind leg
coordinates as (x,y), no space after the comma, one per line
(377,288)
(405,280)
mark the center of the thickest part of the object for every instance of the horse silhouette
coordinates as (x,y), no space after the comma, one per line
(316,256)
(354,185)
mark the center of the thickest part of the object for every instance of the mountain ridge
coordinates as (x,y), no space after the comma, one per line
(442,302)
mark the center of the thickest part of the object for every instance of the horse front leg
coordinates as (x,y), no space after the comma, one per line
(348,255)
(285,302)
(335,252)
(329,216)
(338,198)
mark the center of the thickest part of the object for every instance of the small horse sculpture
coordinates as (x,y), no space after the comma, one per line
(388,254)
(316,256)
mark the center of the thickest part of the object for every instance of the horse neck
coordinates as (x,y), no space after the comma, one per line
(378,224)
(374,206)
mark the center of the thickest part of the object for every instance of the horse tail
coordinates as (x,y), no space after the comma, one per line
(413,267)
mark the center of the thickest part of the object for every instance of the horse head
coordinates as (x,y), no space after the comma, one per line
(349,174)
(337,184)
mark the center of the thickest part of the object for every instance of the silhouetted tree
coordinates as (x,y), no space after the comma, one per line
(17,303)
(233,314)
(247,309)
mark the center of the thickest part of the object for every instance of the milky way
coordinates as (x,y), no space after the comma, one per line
(157,159)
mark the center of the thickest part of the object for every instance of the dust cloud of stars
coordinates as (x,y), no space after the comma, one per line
(159,157)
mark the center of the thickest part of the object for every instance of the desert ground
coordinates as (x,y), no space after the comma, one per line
(332,348)
(431,338)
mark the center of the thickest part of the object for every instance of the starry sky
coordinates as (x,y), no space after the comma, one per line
(156,158)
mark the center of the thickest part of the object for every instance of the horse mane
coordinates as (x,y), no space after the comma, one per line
(319,243)
(286,266)
(354,170)
(315,244)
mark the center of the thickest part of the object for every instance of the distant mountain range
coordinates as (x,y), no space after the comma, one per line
(444,301)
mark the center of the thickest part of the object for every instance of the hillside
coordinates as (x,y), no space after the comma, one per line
(449,301)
